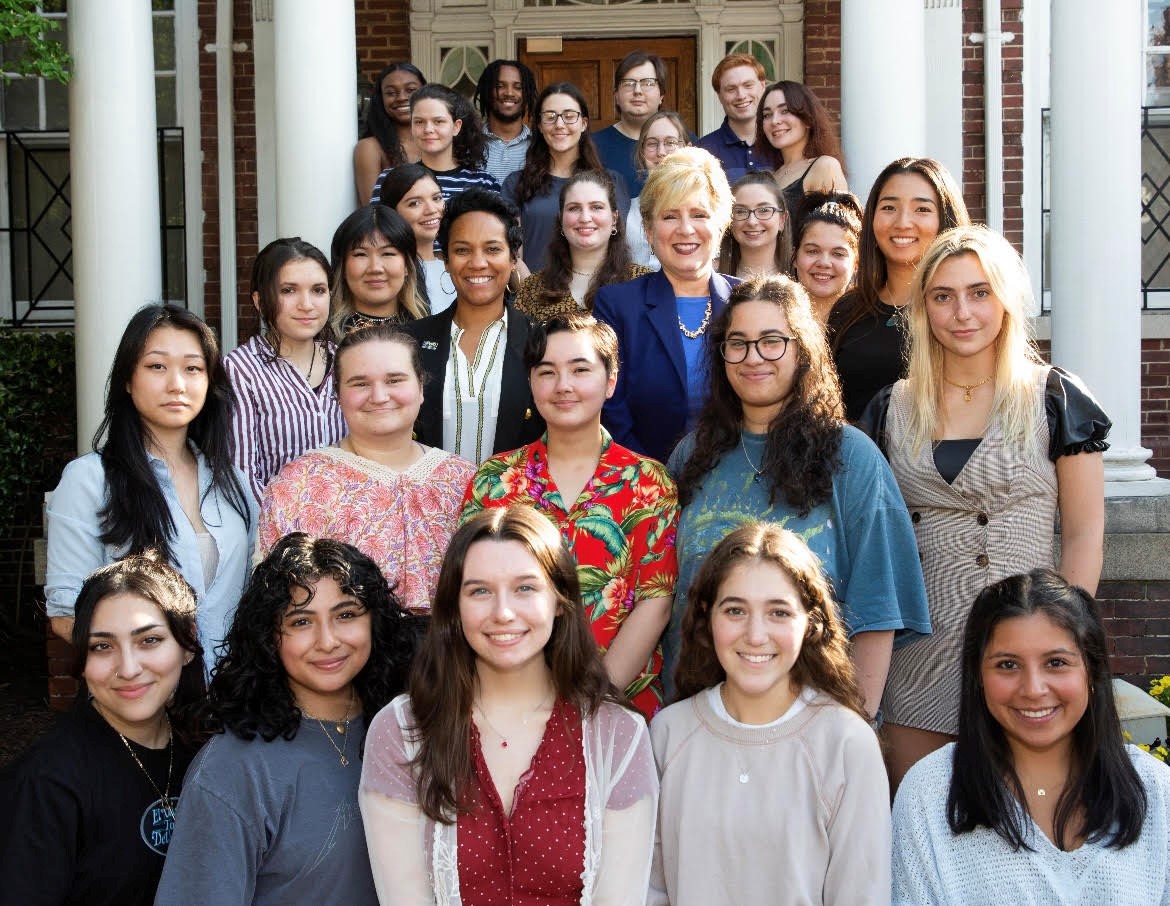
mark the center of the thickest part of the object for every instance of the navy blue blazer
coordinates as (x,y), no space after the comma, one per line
(518,423)
(649,408)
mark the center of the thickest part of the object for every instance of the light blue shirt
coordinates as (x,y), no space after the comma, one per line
(506,157)
(76,549)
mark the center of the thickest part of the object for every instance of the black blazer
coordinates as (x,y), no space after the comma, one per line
(518,423)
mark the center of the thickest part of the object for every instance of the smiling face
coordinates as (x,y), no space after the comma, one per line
(324,642)
(434,130)
(762,386)
(1035,682)
(506,607)
(559,135)
(661,140)
(374,273)
(169,384)
(755,233)
(587,220)
(422,208)
(380,393)
(396,91)
(133,663)
(508,95)
(740,90)
(758,624)
(964,312)
(479,260)
(683,241)
(569,385)
(634,101)
(783,129)
(302,292)
(906,220)
(825,261)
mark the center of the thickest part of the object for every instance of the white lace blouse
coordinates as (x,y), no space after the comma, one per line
(415,860)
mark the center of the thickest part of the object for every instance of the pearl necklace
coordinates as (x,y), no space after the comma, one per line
(698,331)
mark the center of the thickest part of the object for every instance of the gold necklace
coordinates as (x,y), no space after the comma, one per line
(164,796)
(342,728)
(967,388)
(698,331)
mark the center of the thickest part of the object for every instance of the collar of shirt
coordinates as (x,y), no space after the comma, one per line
(729,137)
(525,134)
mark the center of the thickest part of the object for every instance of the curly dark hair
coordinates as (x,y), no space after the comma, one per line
(803,449)
(469,146)
(558,265)
(249,692)
(481,200)
(486,86)
(536,176)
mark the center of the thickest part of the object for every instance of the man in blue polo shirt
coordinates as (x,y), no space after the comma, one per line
(639,81)
(738,80)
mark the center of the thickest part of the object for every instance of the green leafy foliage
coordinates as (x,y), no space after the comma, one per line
(37,416)
(24,33)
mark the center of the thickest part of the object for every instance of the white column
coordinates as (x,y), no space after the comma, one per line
(316,116)
(113,160)
(1096,238)
(883,86)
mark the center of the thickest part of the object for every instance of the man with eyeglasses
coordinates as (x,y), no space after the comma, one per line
(738,81)
(638,83)
(505,96)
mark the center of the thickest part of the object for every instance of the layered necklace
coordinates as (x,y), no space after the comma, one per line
(341,727)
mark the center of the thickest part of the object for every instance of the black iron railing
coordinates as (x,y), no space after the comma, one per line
(36,240)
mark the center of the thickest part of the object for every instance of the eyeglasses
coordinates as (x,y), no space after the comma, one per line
(549,117)
(631,84)
(667,144)
(770,348)
(763,212)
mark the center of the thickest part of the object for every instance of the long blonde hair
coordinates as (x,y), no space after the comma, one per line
(1016,358)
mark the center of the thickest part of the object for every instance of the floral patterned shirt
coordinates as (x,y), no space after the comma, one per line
(402,520)
(621,531)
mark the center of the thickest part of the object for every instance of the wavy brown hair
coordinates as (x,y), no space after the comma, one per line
(443,680)
(808,108)
(536,175)
(802,452)
(823,662)
(558,267)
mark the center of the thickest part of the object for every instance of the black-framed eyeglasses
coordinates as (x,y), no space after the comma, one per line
(770,348)
(631,84)
(549,117)
(762,212)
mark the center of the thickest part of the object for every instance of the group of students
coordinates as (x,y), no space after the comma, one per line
(476,581)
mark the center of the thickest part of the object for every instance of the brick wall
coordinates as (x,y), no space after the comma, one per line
(1137,620)
(822,53)
(1156,404)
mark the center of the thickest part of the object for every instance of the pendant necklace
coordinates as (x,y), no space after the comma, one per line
(967,388)
(759,474)
(164,796)
(341,727)
(523,720)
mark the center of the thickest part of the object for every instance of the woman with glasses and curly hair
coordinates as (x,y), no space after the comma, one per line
(774,723)
(270,815)
(771,445)
(513,771)
(561,147)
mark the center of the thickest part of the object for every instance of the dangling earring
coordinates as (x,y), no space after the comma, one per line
(447,274)
(613,232)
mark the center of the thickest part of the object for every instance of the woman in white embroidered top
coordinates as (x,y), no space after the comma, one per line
(512,771)
(285,402)
(771,747)
(391,497)
(1039,800)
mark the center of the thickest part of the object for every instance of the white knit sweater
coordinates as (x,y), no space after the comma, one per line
(933,866)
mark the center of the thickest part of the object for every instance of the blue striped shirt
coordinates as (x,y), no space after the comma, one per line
(278,416)
(451,182)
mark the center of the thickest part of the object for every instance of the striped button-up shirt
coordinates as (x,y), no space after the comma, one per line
(278,416)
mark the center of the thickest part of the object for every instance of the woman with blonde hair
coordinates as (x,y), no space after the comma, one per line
(988,445)
(375,273)
(662,134)
(768,689)
(661,318)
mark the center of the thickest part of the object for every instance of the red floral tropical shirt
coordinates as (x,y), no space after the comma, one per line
(621,531)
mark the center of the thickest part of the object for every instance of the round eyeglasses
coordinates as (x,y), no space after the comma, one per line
(770,348)
(669,145)
(549,117)
(763,212)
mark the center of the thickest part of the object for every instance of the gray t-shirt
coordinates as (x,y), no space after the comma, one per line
(271,823)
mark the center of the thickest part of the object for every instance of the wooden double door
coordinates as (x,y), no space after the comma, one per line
(590,63)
